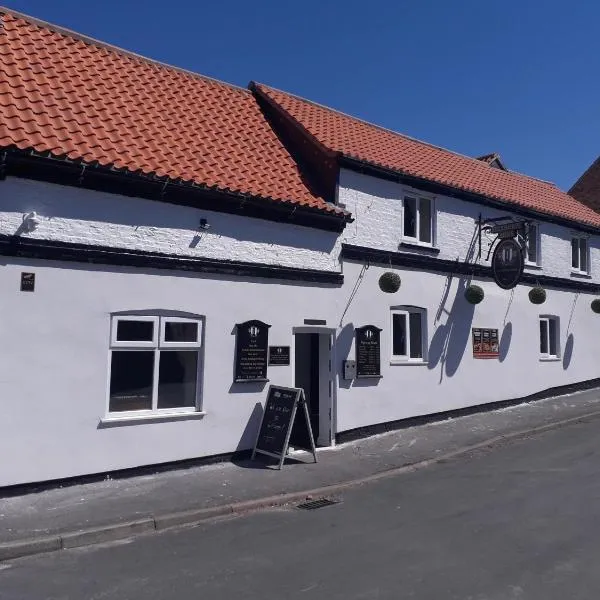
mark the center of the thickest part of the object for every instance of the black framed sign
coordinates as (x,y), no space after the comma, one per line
(285,408)
(368,351)
(27,282)
(508,263)
(279,355)
(251,343)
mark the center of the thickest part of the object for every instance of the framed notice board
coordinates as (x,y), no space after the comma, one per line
(485,343)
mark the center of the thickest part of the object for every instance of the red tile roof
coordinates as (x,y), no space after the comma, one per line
(357,139)
(71,96)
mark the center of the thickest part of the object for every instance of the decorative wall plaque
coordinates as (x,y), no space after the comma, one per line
(252,340)
(368,351)
(27,282)
(279,355)
(485,343)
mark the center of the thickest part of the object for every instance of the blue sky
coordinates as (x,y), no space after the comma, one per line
(518,77)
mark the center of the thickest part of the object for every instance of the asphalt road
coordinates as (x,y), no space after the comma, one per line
(516,521)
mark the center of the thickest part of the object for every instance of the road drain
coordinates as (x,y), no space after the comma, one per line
(319,503)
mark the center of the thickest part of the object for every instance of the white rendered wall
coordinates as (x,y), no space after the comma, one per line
(453,378)
(376,205)
(54,367)
(75,215)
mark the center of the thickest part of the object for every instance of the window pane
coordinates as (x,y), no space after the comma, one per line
(532,244)
(181,332)
(135,331)
(177,379)
(131,376)
(583,255)
(399,335)
(425,220)
(575,253)
(410,217)
(543,336)
(416,339)
(552,335)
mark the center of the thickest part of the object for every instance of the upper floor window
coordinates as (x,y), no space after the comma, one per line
(418,219)
(532,245)
(154,364)
(408,334)
(549,337)
(580,251)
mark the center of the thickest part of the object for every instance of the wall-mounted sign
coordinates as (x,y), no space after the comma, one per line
(368,351)
(279,355)
(27,282)
(252,339)
(508,263)
(485,343)
(508,230)
(285,411)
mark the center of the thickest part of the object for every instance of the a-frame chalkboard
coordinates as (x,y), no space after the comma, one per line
(282,407)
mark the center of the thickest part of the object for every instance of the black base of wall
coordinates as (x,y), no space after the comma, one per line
(361,432)
(345,436)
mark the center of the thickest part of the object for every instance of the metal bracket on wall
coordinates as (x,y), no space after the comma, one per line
(502,228)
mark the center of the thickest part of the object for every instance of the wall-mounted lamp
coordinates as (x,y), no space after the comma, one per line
(204,225)
(30,221)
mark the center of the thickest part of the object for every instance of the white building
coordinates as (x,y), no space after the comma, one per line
(145,212)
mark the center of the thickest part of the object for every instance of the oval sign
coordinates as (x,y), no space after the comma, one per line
(508,263)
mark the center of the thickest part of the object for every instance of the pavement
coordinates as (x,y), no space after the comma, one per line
(113,509)
(516,521)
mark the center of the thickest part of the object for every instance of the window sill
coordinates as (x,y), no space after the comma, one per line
(549,358)
(580,274)
(422,247)
(115,421)
(413,363)
(533,266)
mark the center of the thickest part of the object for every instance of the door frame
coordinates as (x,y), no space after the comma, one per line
(327,405)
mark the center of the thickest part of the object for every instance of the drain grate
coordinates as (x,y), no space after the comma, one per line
(319,503)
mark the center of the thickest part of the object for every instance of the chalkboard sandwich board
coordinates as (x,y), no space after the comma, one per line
(252,339)
(282,407)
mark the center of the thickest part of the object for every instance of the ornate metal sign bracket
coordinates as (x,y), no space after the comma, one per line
(502,228)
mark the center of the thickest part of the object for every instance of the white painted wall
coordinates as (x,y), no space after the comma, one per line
(377,208)
(54,367)
(453,378)
(75,215)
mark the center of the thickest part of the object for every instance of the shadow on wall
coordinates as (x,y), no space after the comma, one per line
(568,353)
(251,430)
(505,339)
(450,340)
(343,346)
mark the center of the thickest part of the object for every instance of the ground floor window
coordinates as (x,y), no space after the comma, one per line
(549,337)
(408,334)
(154,364)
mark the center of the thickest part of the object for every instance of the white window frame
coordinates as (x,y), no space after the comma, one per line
(546,355)
(538,239)
(578,270)
(405,359)
(418,198)
(157,346)
(133,344)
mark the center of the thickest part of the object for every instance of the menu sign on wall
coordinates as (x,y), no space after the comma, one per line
(485,343)
(252,341)
(368,351)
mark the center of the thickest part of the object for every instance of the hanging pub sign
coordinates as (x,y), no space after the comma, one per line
(485,343)
(368,351)
(285,410)
(251,343)
(508,263)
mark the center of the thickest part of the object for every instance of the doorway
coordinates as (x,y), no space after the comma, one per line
(312,366)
